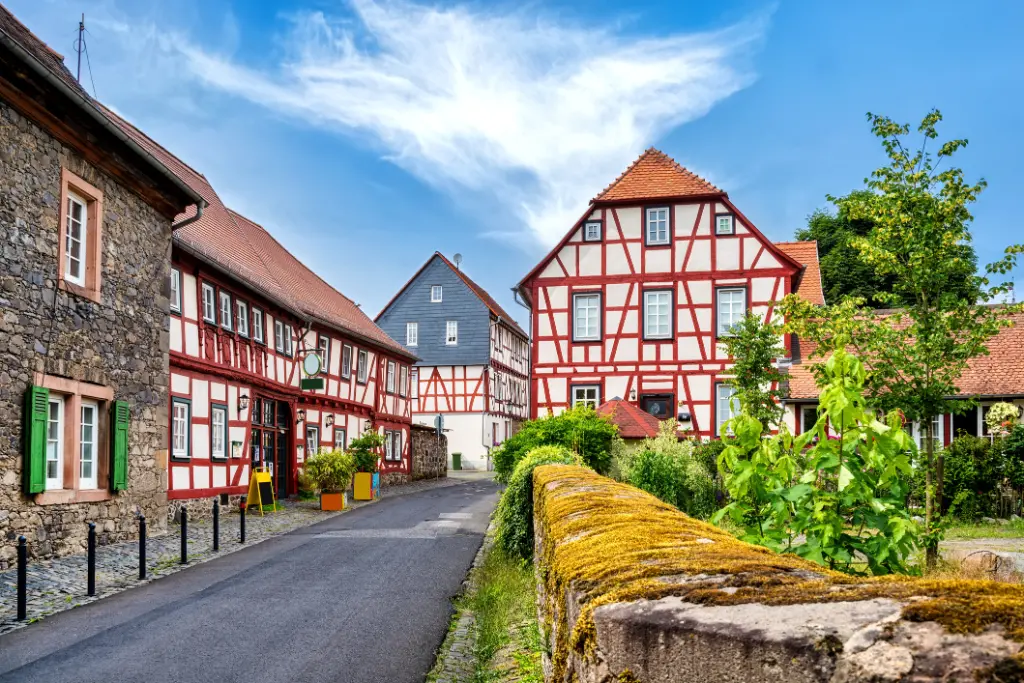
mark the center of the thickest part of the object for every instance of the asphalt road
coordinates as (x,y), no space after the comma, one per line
(360,598)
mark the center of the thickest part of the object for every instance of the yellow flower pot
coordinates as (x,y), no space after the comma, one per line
(362,486)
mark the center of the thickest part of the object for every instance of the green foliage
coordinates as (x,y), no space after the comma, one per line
(668,469)
(580,430)
(365,449)
(330,471)
(1002,417)
(1012,451)
(830,500)
(755,345)
(622,459)
(972,473)
(707,453)
(514,533)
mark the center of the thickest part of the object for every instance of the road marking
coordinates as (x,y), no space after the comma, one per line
(455,515)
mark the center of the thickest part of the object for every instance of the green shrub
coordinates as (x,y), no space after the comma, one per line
(970,475)
(514,533)
(621,462)
(707,452)
(580,430)
(330,471)
(1011,451)
(365,448)
(667,468)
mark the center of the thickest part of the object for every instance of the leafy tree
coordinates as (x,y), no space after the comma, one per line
(365,450)
(917,353)
(754,346)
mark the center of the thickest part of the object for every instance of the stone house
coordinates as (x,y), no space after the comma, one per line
(86,217)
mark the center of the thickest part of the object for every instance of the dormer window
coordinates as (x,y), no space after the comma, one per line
(435,294)
(592,231)
(724,224)
(656,226)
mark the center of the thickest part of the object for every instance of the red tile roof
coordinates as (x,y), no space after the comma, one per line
(248,252)
(43,53)
(632,422)
(653,175)
(808,282)
(492,305)
(1000,373)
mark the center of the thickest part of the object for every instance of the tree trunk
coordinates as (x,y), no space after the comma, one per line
(931,513)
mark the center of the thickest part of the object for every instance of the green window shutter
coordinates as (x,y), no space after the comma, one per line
(119,447)
(37,407)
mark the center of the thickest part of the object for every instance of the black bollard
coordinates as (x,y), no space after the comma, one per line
(142,547)
(184,535)
(22,578)
(216,525)
(241,521)
(91,561)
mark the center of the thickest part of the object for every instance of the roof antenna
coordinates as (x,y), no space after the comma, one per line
(458,260)
(79,46)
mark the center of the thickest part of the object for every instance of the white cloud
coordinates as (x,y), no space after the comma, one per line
(532,113)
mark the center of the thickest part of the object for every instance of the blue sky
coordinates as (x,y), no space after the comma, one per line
(367,134)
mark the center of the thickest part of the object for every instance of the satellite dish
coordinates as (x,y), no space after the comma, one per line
(458,260)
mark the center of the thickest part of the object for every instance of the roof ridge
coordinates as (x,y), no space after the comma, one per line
(110,112)
(477,290)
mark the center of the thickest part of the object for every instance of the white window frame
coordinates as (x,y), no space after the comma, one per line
(728,227)
(218,432)
(181,429)
(658,333)
(82,241)
(723,411)
(586,336)
(592,231)
(346,361)
(325,353)
(662,221)
(362,366)
(226,314)
(242,314)
(209,303)
(390,378)
(403,381)
(920,434)
(804,426)
(451,333)
(93,443)
(722,330)
(341,443)
(289,344)
(175,290)
(414,383)
(412,334)
(55,442)
(257,325)
(312,440)
(585,400)
(436,294)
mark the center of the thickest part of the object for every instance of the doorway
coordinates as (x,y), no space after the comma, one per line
(271,432)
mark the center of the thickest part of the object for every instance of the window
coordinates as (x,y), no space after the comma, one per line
(181,422)
(656,232)
(414,383)
(412,334)
(288,333)
(175,290)
(723,224)
(257,324)
(279,336)
(732,306)
(346,361)
(242,314)
(218,432)
(391,377)
(79,254)
(658,405)
(451,335)
(658,314)
(312,441)
(340,438)
(586,394)
(362,366)
(435,294)
(403,381)
(592,231)
(392,445)
(324,345)
(921,434)
(87,444)
(586,317)
(209,307)
(225,310)
(723,406)
(55,444)
(808,418)
(75,233)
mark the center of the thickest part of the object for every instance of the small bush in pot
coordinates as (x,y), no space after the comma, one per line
(366,451)
(331,472)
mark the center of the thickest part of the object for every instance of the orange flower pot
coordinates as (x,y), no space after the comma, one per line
(332,502)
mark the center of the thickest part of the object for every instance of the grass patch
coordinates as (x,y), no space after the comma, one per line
(970,530)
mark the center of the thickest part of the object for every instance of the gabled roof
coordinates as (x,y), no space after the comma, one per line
(632,422)
(809,281)
(246,251)
(655,175)
(479,291)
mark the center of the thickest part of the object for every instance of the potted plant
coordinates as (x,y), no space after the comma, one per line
(331,472)
(365,450)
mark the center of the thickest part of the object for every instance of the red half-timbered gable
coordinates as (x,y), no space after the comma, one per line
(633,301)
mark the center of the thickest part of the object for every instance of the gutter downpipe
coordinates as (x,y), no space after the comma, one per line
(200,205)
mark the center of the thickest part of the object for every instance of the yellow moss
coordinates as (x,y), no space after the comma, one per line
(614,543)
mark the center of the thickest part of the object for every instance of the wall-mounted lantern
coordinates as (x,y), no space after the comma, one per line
(243,403)
(329,421)
(300,416)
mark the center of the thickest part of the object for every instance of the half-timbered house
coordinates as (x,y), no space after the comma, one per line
(474,358)
(634,300)
(244,314)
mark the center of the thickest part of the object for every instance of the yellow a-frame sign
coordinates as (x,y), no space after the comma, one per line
(261,488)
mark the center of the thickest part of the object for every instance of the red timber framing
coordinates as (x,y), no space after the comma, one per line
(696,267)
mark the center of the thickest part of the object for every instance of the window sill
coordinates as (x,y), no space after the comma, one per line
(65,496)
(84,292)
(666,245)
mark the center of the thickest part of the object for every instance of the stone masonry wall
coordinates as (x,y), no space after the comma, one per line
(121,343)
(429,454)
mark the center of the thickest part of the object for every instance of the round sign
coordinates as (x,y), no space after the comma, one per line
(311,364)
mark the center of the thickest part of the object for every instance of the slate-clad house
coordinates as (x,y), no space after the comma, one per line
(474,358)
(86,219)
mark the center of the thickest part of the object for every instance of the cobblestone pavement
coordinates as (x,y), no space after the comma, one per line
(59,584)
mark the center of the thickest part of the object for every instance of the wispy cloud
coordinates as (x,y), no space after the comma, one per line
(532,113)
